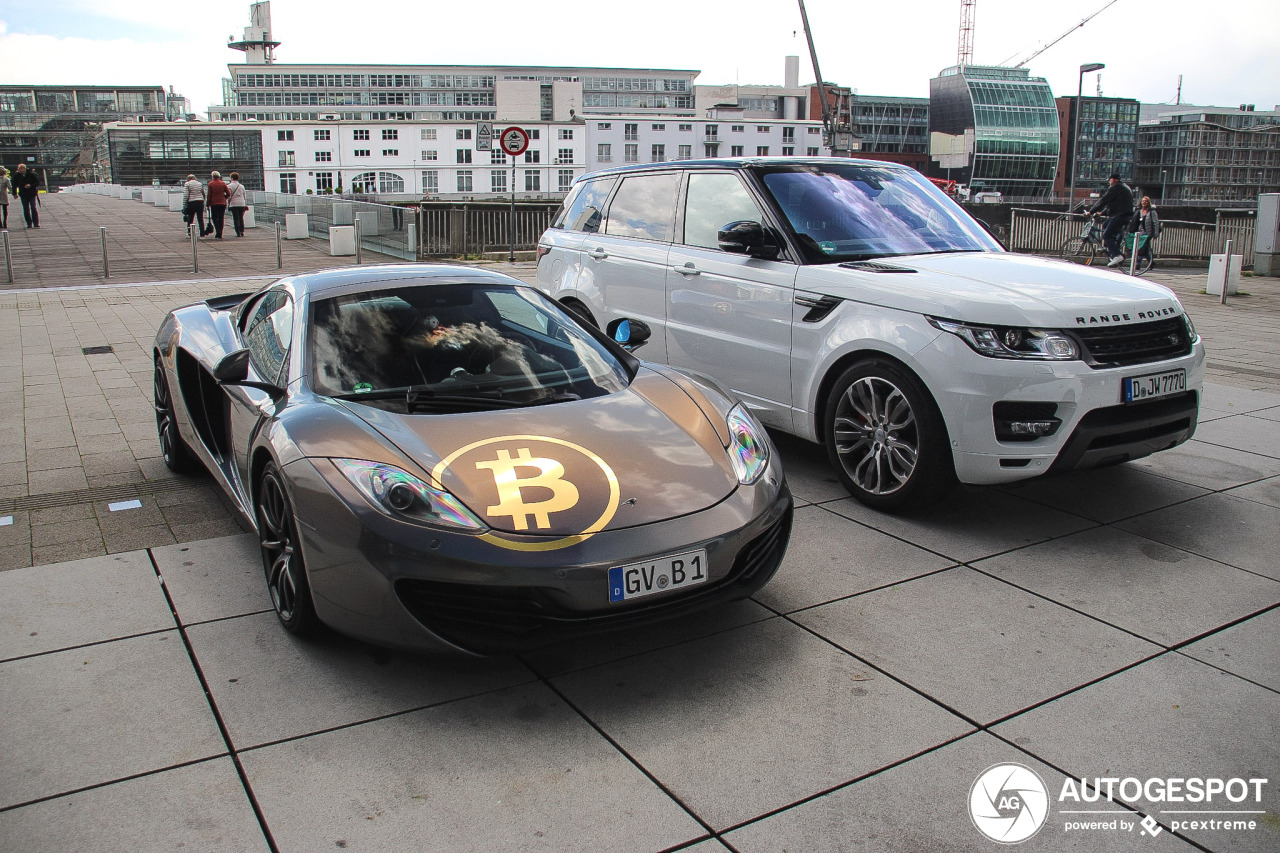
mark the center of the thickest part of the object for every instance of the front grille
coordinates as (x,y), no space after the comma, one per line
(502,618)
(1140,343)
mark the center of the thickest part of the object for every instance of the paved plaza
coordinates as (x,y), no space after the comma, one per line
(1123,623)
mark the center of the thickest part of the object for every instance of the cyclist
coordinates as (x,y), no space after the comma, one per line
(1117,203)
(1145,223)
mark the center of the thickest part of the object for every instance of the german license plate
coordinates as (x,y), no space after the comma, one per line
(1153,385)
(660,575)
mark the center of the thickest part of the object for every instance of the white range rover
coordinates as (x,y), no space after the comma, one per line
(852,303)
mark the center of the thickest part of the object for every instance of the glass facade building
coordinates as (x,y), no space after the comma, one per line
(1208,154)
(1013,121)
(140,156)
(1106,144)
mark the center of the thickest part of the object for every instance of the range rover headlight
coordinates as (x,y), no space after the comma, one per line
(402,496)
(748,449)
(1191,327)
(1011,341)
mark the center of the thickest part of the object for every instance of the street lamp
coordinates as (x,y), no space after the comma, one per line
(1075,134)
(1163,186)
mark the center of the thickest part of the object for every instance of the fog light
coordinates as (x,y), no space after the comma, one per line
(1036,428)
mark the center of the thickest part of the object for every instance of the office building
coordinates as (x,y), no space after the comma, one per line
(1209,154)
(1107,143)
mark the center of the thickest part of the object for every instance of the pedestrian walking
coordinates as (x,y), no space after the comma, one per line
(1145,226)
(6,188)
(193,203)
(237,203)
(217,191)
(1117,204)
(27,184)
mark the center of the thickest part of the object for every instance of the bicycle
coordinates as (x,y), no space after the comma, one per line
(1084,248)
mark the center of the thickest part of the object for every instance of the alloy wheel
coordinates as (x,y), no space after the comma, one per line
(876,438)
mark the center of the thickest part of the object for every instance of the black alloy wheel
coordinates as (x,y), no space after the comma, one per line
(886,439)
(177,455)
(282,555)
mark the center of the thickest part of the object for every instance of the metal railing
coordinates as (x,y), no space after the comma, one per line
(474,229)
(1043,232)
(384,228)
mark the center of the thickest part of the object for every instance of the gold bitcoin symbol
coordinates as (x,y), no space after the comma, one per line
(564,495)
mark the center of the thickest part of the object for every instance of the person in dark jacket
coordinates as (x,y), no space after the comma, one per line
(1117,204)
(27,185)
(217,199)
(1145,223)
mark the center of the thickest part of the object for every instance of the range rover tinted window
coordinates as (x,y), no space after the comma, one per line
(582,209)
(713,201)
(644,207)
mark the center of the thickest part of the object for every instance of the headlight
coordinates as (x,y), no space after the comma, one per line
(748,449)
(1191,327)
(403,496)
(1012,342)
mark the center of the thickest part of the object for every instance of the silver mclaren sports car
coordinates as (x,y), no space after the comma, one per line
(441,457)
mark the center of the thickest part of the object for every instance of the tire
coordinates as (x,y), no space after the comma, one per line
(173,448)
(282,555)
(580,311)
(1079,250)
(1144,264)
(886,438)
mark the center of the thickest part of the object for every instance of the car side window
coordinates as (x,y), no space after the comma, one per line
(268,332)
(713,201)
(644,207)
(582,210)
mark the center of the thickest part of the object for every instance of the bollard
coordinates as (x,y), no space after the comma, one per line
(357,224)
(106,266)
(1226,275)
(279,251)
(194,231)
(8,257)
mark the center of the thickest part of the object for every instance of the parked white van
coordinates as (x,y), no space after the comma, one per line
(852,303)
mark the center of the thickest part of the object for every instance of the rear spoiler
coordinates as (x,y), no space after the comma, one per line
(226,303)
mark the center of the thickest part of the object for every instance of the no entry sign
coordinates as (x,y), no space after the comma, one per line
(514,141)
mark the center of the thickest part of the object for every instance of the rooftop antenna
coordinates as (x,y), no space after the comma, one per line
(1178,101)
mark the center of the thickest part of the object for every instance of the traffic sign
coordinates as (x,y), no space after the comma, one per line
(484,137)
(514,141)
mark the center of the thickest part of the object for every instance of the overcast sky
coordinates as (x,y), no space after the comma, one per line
(1225,51)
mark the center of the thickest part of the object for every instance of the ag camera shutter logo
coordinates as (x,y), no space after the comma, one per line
(1008,803)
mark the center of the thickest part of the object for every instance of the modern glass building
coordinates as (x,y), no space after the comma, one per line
(1209,153)
(1013,123)
(140,156)
(1107,142)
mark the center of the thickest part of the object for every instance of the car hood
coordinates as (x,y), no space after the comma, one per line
(633,457)
(999,288)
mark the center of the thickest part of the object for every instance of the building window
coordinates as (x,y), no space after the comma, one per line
(762,128)
(657,127)
(762,150)
(712,131)
(464,181)
(462,133)
(564,180)
(532,181)
(788,151)
(361,152)
(815,130)
(658,153)
(631,153)
(630,131)
(533,156)
(322,135)
(738,128)
(686,152)
(604,125)
(812,152)
(789,135)
(498,180)
(390,152)
(360,134)
(604,152)
(711,149)
(497,157)
(324,182)
(284,135)
(428,133)
(430,182)
(685,128)
(324,156)
(430,154)
(735,150)
(464,155)
(289,182)
(565,133)
(564,155)
(534,133)
(389,133)
(286,158)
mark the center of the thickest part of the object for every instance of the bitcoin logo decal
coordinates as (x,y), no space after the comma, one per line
(511,502)
(530,454)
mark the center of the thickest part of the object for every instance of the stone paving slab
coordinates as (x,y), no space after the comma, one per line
(1247,649)
(1239,532)
(214,578)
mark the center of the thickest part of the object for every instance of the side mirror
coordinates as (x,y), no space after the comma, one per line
(629,334)
(233,369)
(747,238)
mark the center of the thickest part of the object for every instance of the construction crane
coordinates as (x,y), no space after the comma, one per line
(1059,38)
(964,54)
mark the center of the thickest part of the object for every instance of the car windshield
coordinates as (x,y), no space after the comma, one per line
(853,211)
(451,347)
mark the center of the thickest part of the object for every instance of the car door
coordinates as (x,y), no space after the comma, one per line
(627,258)
(267,329)
(729,315)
